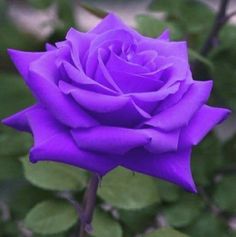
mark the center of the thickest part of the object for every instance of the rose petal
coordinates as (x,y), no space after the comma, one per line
(80,43)
(59,105)
(22,60)
(110,140)
(61,148)
(162,141)
(19,120)
(180,114)
(115,61)
(112,21)
(94,101)
(165,35)
(83,81)
(173,167)
(203,121)
(131,83)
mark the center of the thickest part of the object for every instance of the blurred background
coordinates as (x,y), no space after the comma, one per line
(32,198)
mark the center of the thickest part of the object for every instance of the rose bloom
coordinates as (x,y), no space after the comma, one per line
(112,97)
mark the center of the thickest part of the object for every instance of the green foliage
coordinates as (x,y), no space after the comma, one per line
(225,71)
(187,209)
(104,226)
(121,188)
(137,220)
(189,16)
(51,217)
(166,232)
(206,159)
(54,176)
(221,196)
(152,27)
(207,225)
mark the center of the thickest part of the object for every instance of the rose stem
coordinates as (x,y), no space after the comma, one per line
(220,20)
(89,202)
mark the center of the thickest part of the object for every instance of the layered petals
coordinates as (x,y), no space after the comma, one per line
(110,140)
(63,108)
(180,114)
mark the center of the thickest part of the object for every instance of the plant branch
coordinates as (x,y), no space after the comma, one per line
(230,15)
(89,205)
(219,22)
(217,25)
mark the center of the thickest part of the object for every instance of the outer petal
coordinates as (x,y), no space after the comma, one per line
(180,114)
(203,121)
(22,60)
(63,108)
(110,140)
(53,142)
(19,120)
(173,167)
(165,35)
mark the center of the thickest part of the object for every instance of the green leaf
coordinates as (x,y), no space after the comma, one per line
(13,144)
(185,211)
(105,226)
(24,197)
(207,225)
(225,193)
(9,168)
(168,192)
(194,55)
(153,27)
(14,94)
(224,74)
(51,217)
(125,190)
(166,232)
(138,220)
(206,159)
(190,17)
(54,176)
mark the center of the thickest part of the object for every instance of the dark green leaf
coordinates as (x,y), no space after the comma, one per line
(206,159)
(207,225)
(225,194)
(14,94)
(185,211)
(138,220)
(167,191)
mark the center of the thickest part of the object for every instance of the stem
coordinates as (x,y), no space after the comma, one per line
(219,22)
(89,205)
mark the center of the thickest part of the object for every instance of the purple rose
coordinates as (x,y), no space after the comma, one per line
(113,97)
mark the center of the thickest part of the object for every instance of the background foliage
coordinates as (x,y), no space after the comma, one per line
(39,200)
